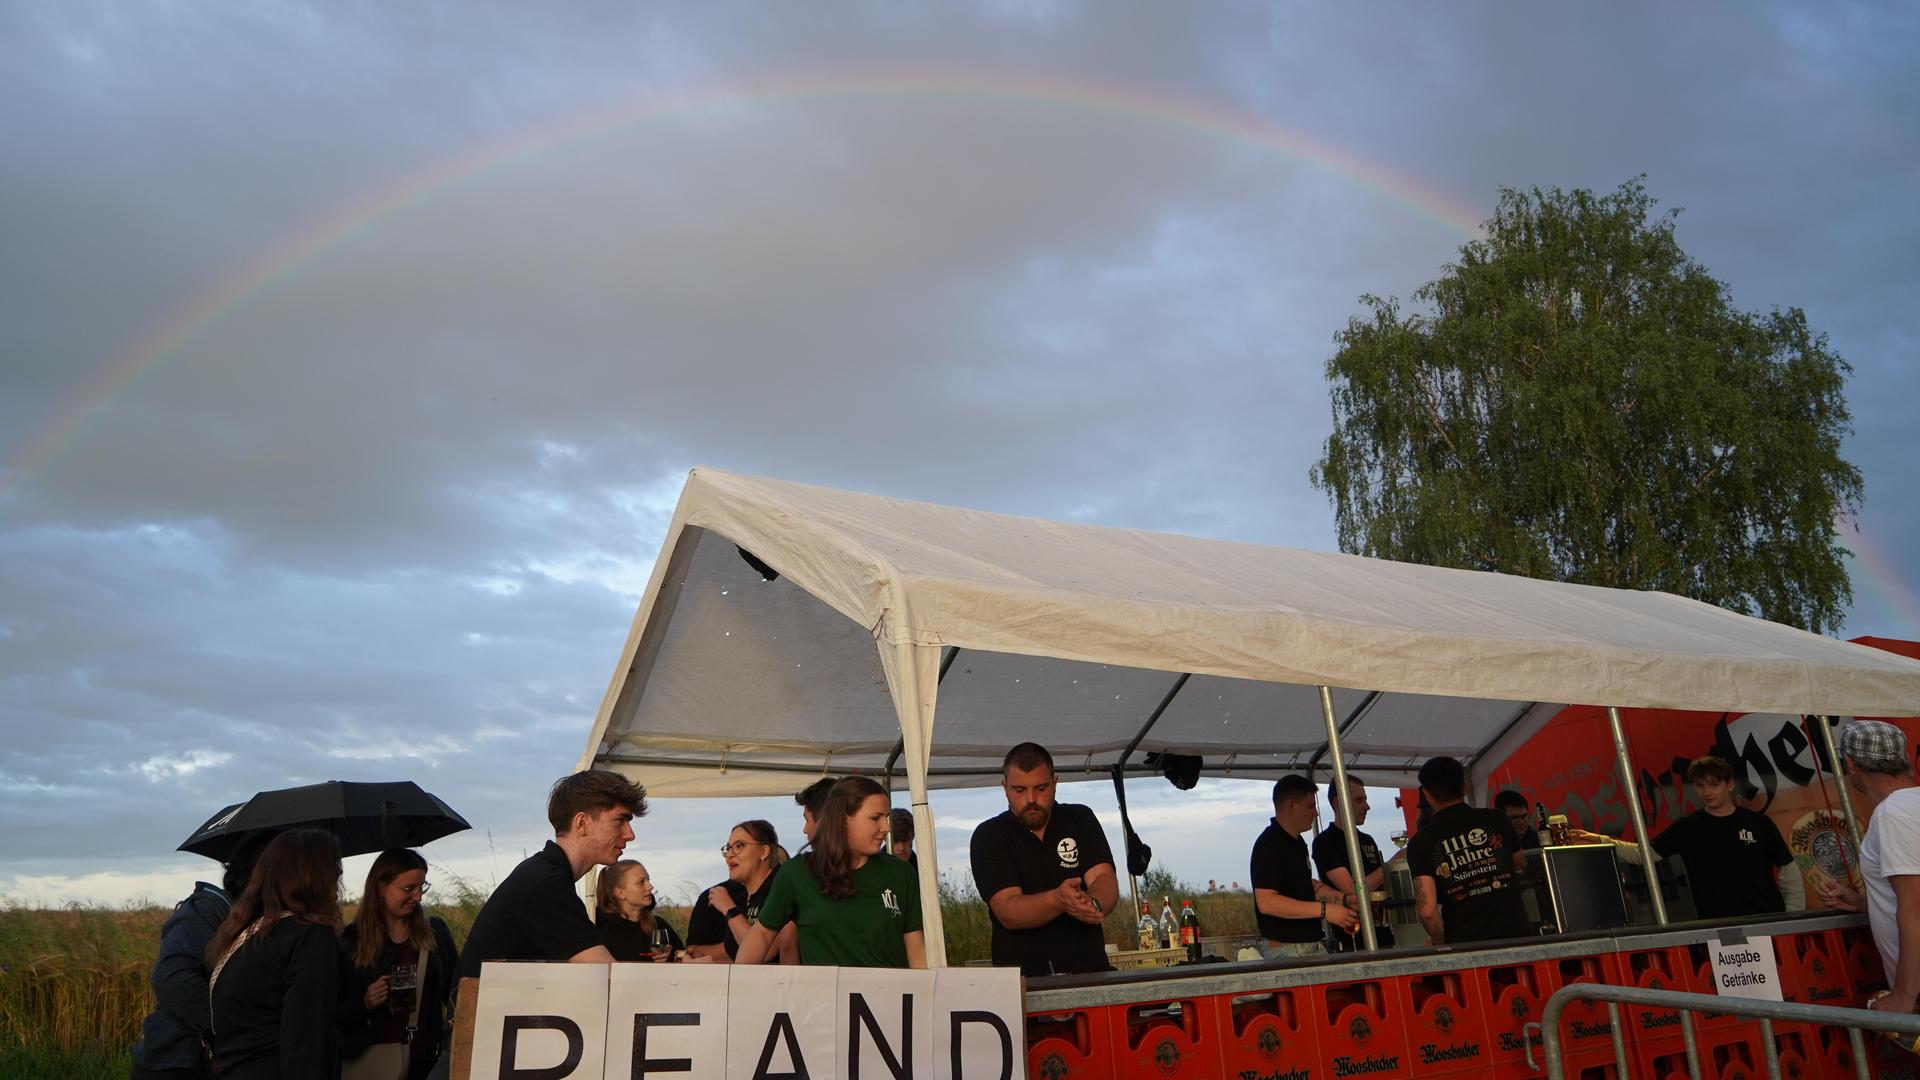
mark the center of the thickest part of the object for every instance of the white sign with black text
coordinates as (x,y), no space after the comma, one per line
(540,1021)
(1746,970)
(718,1022)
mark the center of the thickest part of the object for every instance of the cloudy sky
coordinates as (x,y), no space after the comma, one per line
(352,355)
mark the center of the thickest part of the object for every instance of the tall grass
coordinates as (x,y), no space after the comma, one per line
(73,980)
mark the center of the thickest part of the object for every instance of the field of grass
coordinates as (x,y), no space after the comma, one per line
(73,981)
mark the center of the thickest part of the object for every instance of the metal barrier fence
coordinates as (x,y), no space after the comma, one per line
(1854,1020)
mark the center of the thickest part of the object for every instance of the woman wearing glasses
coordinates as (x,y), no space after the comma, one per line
(723,914)
(403,963)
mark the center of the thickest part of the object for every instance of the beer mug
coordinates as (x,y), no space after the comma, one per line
(403,988)
(1557,830)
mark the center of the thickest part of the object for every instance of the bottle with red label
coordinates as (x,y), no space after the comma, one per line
(1190,929)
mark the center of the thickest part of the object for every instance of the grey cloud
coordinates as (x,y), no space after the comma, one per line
(409,482)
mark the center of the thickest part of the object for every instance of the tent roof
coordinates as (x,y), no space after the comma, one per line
(1072,635)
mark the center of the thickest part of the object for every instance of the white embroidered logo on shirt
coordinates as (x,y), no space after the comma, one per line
(1746,836)
(1069,852)
(887,898)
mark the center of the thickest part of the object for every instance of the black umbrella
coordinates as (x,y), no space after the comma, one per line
(365,817)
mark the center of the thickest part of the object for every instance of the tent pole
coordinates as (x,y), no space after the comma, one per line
(914,682)
(1623,762)
(1356,859)
(1825,724)
(900,744)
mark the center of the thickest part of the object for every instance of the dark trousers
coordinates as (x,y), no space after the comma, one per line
(168,1074)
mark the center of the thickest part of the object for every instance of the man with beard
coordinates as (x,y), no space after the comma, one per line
(1046,873)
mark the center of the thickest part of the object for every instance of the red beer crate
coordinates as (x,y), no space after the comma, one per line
(1664,968)
(1733,1053)
(1725,1054)
(1799,1059)
(1812,970)
(1361,1029)
(1584,1026)
(1268,1035)
(1833,1050)
(1865,973)
(1171,1038)
(1446,1022)
(1070,1045)
(1700,964)
(1512,996)
(1596,1066)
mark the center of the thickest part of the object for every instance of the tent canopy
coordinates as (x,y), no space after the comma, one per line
(770,647)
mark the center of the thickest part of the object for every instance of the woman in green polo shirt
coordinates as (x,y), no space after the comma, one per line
(854,905)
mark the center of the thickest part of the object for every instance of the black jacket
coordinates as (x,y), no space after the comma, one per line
(359,1027)
(275,1003)
(170,1035)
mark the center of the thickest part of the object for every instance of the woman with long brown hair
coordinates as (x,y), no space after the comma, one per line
(630,927)
(402,963)
(275,966)
(853,905)
(723,914)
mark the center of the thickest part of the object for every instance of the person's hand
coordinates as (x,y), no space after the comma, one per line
(1838,895)
(1341,916)
(1582,836)
(1075,901)
(663,955)
(691,959)
(376,994)
(1892,1001)
(721,901)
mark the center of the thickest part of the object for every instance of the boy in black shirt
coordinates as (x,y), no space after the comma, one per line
(1464,864)
(1289,906)
(1732,853)
(535,913)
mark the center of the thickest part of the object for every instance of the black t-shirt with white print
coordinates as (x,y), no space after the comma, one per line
(1468,852)
(1006,853)
(1730,861)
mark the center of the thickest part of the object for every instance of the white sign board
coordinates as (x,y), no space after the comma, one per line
(979,1028)
(719,1022)
(780,1023)
(667,1019)
(885,1022)
(1746,970)
(545,1021)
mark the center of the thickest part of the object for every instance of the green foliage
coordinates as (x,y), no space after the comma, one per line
(1583,403)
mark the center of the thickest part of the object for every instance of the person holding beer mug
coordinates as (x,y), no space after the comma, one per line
(403,963)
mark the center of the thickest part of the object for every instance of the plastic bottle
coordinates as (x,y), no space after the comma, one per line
(1169,929)
(1190,929)
(1149,934)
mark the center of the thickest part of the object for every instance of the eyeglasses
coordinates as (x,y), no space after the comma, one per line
(739,846)
(421,889)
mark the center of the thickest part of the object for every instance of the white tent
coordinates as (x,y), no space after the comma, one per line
(792,631)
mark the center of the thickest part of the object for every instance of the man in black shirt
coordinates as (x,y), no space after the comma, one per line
(1732,853)
(535,913)
(1046,872)
(1464,864)
(1519,815)
(1288,904)
(1330,860)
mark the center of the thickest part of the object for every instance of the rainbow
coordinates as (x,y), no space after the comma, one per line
(194,319)
(1877,572)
